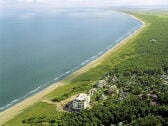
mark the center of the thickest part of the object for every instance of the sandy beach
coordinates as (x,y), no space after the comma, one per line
(13,111)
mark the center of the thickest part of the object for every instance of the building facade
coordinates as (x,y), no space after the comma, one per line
(81,102)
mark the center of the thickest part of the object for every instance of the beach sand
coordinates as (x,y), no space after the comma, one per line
(13,111)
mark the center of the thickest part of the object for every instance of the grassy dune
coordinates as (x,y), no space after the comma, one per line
(144,52)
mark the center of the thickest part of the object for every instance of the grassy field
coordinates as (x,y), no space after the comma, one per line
(146,51)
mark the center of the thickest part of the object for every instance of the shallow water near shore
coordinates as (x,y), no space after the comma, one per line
(38,49)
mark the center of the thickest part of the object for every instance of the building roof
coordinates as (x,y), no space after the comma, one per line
(81,97)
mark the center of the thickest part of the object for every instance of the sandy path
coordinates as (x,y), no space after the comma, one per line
(60,105)
(10,113)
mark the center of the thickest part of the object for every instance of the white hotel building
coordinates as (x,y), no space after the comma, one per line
(81,102)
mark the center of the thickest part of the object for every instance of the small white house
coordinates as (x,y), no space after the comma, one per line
(113,90)
(101,84)
(81,102)
(92,91)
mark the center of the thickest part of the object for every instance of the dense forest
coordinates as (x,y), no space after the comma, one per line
(143,101)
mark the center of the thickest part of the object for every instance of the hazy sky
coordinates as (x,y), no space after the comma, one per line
(78,3)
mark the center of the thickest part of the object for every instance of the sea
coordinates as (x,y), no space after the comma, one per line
(39,48)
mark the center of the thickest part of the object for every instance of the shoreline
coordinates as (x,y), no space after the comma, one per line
(13,111)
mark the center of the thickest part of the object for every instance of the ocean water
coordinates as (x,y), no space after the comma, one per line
(38,49)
